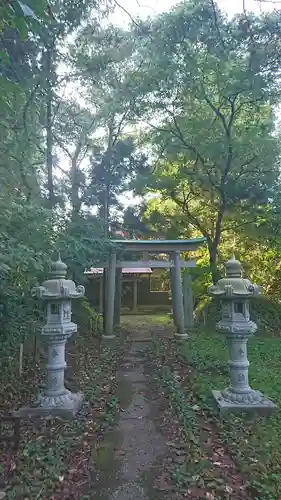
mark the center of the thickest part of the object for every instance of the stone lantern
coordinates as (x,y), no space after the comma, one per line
(57,293)
(235,293)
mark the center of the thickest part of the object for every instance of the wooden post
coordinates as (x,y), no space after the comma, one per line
(110,297)
(101,293)
(20,359)
(188,302)
(179,297)
(135,295)
(35,346)
(118,296)
(13,422)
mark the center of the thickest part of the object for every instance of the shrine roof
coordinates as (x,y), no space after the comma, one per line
(125,270)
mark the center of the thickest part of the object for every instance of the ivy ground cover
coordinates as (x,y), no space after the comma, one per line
(254,444)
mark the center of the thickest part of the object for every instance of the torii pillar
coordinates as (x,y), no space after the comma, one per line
(110,296)
(188,304)
(177,296)
(118,297)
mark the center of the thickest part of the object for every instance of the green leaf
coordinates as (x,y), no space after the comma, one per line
(21,26)
(4,56)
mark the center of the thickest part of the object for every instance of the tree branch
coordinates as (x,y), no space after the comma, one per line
(232,228)
(216,23)
(193,220)
(62,146)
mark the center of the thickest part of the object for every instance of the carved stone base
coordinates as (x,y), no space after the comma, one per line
(181,336)
(108,337)
(255,403)
(242,397)
(65,406)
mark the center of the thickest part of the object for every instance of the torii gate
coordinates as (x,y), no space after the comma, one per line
(182,302)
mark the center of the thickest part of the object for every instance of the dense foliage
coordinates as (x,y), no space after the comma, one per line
(182,109)
(212,83)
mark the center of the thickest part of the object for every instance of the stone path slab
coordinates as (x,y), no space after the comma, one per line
(139,445)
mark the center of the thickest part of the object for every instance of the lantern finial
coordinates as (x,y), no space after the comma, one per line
(233,268)
(58,268)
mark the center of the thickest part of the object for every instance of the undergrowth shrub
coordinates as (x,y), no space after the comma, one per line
(86,317)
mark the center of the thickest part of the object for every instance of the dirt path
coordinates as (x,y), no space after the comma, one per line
(151,455)
(130,457)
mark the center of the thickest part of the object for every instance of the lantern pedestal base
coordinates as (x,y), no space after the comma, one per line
(65,406)
(108,337)
(263,407)
(181,336)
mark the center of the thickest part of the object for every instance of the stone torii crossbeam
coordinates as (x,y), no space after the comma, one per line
(182,301)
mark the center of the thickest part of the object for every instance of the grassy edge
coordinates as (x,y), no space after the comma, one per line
(253,443)
(197,473)
(47,462)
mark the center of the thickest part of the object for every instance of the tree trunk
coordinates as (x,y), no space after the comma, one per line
(107,165)
(75,200)
(106,210)
(213,245)
(105,229)
(213,261)
(49,133)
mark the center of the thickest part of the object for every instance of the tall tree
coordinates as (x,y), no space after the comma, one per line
(211,93)
(64,21)
(100,56)
(112,168)
(74,127)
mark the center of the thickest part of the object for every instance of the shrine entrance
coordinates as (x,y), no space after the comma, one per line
(181,286)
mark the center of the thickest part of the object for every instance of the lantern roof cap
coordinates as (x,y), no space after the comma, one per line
(233,268)
(58,269)
(233,285)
